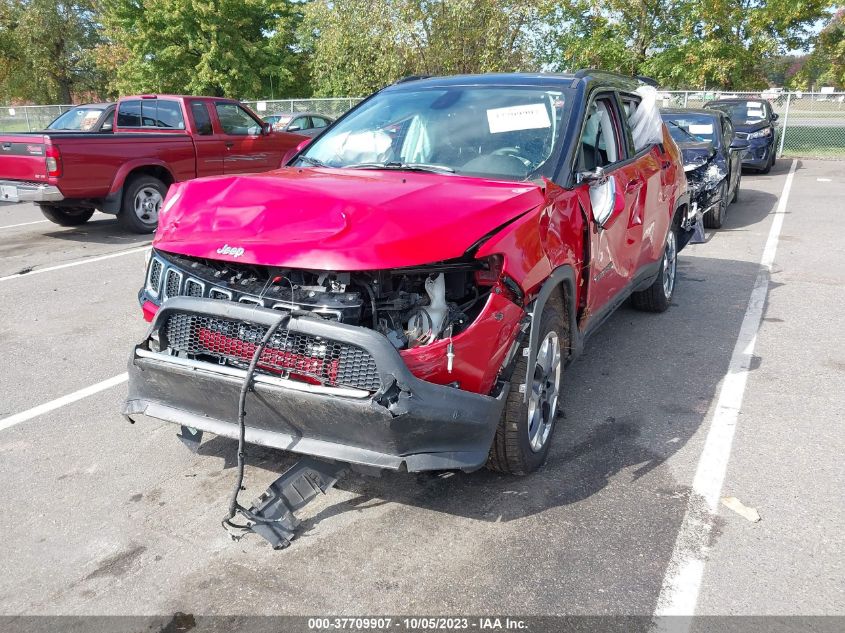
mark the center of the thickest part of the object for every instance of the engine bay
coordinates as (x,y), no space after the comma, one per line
(412,307)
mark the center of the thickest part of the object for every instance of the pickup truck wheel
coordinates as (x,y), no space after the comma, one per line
(525,429)
(714,218)
(66,217)
(142,198)
(658,296)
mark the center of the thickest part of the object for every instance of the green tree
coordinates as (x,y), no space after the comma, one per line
(681,43)
(358,46)
(237,48)
(826,65)
(47,50)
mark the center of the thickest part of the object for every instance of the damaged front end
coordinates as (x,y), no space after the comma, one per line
(705,171)
(398,369)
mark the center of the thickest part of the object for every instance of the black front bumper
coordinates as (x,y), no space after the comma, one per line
(406,423)
(759,153)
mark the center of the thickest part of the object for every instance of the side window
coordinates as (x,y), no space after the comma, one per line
(236,121)
(630,105)
(150,113)
(108,122)
(129,114)
(299,123)
(599,140)
(319,121)
(162,113)
(202,120)
(728,131)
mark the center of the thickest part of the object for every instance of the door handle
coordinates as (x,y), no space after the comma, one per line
(229,144)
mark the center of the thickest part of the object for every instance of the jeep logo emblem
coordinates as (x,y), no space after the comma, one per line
(234,251)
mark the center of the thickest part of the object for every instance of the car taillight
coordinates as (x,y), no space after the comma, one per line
(54,161)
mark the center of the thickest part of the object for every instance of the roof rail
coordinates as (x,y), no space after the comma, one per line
(410,78)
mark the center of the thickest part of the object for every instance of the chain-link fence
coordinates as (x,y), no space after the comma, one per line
(332,107)
(29,118)
(810,124)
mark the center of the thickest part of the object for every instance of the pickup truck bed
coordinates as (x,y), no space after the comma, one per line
(156,141)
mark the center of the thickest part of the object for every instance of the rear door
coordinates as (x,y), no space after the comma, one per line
(247,149)
(614,203)
(652,189)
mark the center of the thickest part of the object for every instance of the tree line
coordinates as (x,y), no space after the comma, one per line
(59,51)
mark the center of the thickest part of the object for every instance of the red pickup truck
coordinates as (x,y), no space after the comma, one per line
(157,140)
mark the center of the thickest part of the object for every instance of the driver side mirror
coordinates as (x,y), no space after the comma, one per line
(775,116)
(266,128)
(603,199)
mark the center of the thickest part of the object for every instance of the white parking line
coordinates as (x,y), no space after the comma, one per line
(11,226)
(79,262)
(682,582)
(41,409)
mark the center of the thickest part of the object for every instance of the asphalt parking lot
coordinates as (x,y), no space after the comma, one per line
(103,517)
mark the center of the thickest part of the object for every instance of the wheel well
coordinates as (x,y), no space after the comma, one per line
(680,213)
(156,171)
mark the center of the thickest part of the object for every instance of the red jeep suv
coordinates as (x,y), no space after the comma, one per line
(407,292)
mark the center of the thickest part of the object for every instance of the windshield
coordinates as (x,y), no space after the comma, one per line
(496,132)
(743,112)
(688,127)
(82,119)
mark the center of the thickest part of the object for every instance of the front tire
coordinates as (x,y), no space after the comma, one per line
(735,197)
(66,216)
(525,429)
(715,218)
(142,198)
(658,296)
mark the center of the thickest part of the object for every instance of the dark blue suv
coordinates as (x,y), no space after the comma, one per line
(754,121)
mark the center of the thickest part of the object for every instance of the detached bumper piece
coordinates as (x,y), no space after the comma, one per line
(23,191)
(322,388)
(271,515)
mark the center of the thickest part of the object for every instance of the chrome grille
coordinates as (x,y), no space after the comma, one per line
(288,353)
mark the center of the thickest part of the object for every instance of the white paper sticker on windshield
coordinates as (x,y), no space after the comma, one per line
(701,128)
(754,104)
(755,114)
(525,117)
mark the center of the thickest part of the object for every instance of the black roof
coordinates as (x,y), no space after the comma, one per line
(561,80)
(711,113)
(735,100)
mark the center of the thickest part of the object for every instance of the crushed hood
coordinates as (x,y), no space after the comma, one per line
(337,219)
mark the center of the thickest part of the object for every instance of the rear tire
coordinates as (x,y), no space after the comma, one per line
(142,198)
(714,218)
(525,429)
(658,296)
(66,217)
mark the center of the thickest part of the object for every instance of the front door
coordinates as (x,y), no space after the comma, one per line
(248,149)
(614,203)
